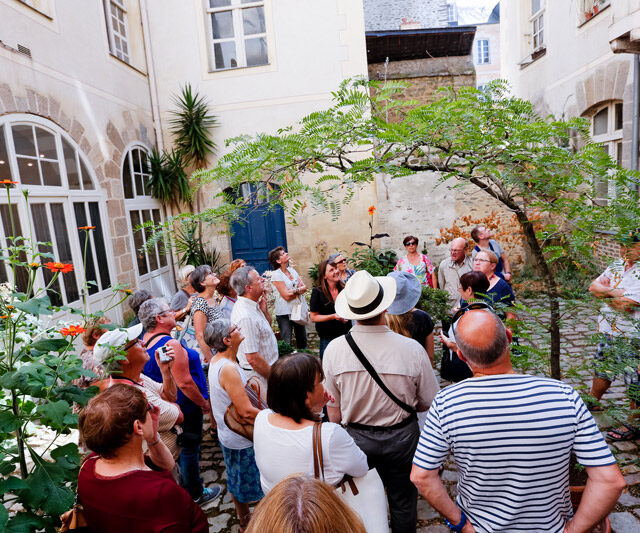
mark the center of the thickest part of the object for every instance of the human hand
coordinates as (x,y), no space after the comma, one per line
(151,433)
(206,407)
(468,528)
(605,281)
(190,303)
(165,366)
(328,398)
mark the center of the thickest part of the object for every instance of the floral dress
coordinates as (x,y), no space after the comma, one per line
(422,270)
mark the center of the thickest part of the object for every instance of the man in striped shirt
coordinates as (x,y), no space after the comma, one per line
(511,435)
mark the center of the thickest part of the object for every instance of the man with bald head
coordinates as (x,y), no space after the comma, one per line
(512,435)
(449,273)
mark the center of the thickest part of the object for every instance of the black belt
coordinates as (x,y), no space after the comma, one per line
(411,418)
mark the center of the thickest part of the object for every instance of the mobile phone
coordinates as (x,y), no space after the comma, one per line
(163,355)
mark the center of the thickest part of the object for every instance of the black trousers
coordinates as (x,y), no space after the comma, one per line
(391,451)
(286,326)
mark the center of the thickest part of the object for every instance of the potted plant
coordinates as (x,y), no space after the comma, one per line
(577,483)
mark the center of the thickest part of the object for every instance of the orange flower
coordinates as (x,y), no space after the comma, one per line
(59,267)
(87,227)
(372,210)
(2,317)
(72,330)
(34,265)
(126,291)
(7,182)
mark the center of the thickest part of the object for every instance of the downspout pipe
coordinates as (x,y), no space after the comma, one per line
(151,73)
(636,112)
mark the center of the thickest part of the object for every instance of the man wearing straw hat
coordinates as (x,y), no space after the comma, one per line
(378,380)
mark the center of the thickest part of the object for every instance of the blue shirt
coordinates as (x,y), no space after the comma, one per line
(152,370)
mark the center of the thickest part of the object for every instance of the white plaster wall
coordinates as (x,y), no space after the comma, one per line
(486,72)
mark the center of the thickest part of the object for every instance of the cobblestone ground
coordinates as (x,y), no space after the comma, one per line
(575,358)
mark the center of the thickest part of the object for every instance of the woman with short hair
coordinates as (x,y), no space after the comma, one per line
(117,487)
(289,287)
(301,503)
(227,383)
(183,299)
(417,263)
(204,308)
(283,434)
(499,294)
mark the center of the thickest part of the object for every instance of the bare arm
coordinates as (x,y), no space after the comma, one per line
(287,294)
(199,323)
(604,486)
(317,317)
(430,486)
(334,414)
(158,451)
(169,389)
(434,279)
(230,381)
(428,345)
(259,364)
(506,267)
(185,382)
(263,304)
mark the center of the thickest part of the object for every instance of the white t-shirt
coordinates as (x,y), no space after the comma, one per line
(283,452)
(282,307)
(615,322)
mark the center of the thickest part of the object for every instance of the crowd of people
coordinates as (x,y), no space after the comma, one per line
(369,405)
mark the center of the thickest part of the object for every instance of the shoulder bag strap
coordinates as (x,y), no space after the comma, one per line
(148,343)
(367,365)
(318,462)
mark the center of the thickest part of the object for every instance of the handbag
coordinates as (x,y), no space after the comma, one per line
(238,424)
(300,311)
(74,519)
(364,495)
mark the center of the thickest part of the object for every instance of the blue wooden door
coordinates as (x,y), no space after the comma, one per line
(259,229)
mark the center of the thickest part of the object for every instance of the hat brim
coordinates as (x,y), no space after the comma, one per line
(388,295)
(409,297)
(134,332)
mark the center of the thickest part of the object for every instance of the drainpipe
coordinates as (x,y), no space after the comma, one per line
(151,74)
(636,112)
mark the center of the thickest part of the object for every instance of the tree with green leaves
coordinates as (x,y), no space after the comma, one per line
(542,169)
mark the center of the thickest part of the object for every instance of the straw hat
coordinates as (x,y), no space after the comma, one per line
(365,296)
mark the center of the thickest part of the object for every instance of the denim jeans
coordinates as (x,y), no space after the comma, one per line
(286,326)
(323,346)
(190,456)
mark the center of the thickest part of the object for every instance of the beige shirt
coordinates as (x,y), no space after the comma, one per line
(449,273)
(402,364)
(258,335)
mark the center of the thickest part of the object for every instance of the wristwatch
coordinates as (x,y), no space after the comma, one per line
(459,525)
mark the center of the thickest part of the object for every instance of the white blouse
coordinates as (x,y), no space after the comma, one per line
(283,452)
(282,306)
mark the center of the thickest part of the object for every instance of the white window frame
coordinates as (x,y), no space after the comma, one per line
(482,52)
(141,203)
(111,9)
(62,194)
(452,15)
(537,27)
(236,7)
(612,140)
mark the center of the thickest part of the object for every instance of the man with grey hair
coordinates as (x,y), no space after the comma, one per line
(135,301)
(513,435)
(259,349)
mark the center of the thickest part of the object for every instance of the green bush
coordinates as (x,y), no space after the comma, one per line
(435,302)
(377,263)
(284,348)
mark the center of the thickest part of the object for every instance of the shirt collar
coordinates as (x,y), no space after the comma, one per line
(453,264)
(370,329)
(247,301)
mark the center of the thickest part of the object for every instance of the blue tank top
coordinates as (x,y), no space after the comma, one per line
(195,369)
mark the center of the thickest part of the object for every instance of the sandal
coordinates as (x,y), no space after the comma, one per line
(618,435)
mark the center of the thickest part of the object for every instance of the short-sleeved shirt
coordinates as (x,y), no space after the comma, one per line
(494,247)
(449,274)
(325,306)
(421,326)
(511,436)
(212,313)
(422,270)
(402,364)
(615,322)
(282,306)
(258,335)
(180,300)
(500,296)
(140,501)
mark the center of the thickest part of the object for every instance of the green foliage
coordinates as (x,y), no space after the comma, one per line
(314,273)
(191,126)
(377,263)
(435,302)
(168,180)
(191,249)
(284,348)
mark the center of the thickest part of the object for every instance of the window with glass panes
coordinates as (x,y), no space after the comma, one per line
(116,16)
(606,129)
(483,51)
(537,24)
(62,196)
(142,208)
(238,33)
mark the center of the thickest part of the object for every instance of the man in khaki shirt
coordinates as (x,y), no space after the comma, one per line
(385,432)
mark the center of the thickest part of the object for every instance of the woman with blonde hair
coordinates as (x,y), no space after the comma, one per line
(304,504)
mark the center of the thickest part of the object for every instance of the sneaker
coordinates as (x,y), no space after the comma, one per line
(208,494)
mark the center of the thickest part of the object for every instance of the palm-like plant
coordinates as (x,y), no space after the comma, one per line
(168,180)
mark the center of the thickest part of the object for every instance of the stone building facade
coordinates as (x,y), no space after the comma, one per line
(393,15)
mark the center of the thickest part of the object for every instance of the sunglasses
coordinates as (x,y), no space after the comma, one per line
(340,262)
(412,243)
(132,344)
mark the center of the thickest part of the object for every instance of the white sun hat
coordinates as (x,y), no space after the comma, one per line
(365,296)
(114,341)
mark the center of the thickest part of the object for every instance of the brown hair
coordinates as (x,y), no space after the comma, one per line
(400,323)
(290,379)
(94,327)
(274,255)
(301,504)
(410,238)
(476,280)
(491,255)
(106,422)
(224,287)
(474,233)
(322,281)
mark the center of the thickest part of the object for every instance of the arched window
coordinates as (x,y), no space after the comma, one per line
(606,129)
(63,196)
(142,207)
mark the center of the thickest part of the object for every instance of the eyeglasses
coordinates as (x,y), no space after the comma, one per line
(476,260)
(412,243)
(132,344)
(339,262)
(166,312)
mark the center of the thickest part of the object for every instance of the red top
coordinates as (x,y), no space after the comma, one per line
(140,501)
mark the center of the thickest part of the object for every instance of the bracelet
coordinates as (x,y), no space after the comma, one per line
(459,525)
(154,443)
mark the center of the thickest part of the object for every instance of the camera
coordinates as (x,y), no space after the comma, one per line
(163,355)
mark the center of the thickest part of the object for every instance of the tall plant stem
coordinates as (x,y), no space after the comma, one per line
(19,437)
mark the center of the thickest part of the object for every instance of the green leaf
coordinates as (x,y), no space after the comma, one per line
(46,489)
(9,422)
(36,306)
(4,517)
(57,414)
(67,456)
(25,522)
(51,345)
(12,483)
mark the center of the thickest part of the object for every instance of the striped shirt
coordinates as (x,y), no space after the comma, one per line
(258,335)
(512,436)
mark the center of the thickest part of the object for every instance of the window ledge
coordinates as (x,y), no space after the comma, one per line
(40,11)
(594,15)
(237,69)
(540,52)
(127,64)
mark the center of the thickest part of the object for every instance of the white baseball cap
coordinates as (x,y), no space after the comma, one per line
(113,341)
